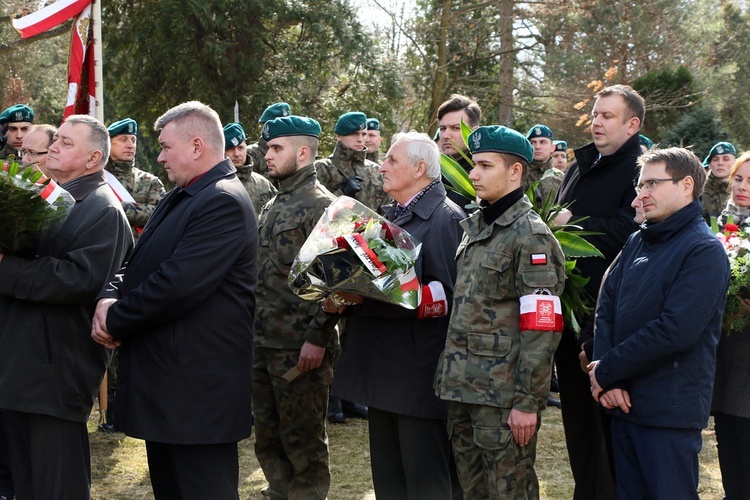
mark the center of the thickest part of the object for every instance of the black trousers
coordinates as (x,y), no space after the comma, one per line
(409,456)
(586,427)
(49,457)
(733,441)
(199,471)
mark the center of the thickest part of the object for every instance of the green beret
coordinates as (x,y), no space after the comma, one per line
(720,148)
(278,110)
(17,113)
(373,124)
(539,130)
(234,135)
(560,146)
(126,126)
(645,141)
(289,126)
(351,122)
(499,139)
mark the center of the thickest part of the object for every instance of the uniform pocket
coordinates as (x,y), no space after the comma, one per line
(494,278)
(487,363)
(288,239)
(492,438)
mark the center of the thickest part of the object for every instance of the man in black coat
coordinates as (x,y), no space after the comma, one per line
(50,369)
(600,187)
(391,354)
(181,311)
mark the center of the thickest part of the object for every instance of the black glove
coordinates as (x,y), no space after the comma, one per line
(351,186)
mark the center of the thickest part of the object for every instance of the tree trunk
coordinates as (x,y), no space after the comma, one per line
(438,86)
(506,80)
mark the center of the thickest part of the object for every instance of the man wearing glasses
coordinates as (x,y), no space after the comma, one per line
(657,327)
(35,146)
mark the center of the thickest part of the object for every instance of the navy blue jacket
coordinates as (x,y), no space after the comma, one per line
(659,318)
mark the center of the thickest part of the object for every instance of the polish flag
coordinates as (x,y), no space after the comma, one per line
(541,312)
(117,187)
(49,17)
(81,99)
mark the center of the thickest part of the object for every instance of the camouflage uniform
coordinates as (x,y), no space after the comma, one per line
(490,367)
(258,187)
(549,179)
(9,150)
(145,188)
(256,155)
(291,442)
(346,162)
(715,196)
(373,157)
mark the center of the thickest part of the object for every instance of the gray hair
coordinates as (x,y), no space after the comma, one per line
(50,130)
(98,137)
(194,118)
(420,147)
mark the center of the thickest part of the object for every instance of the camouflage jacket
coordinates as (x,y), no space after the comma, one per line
(373,157)
(487,360)
(144,187)
(258,187)
(256,157)
(282,319)
(715,196)
(7,151)
(549,179)
(345,163)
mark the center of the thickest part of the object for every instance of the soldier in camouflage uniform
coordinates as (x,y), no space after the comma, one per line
(15,123)
(541,168)
(256,152)
(560,155)
(290,333)
(145,188)
(716,190)
(372,143)
(347,171)
(495,369)
(258,187)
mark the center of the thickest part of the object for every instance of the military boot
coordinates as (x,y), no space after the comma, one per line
(335,413)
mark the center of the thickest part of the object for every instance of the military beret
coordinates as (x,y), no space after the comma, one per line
(289,126)
(373,124)
(499,139)
(539,130)
(17,113)
(126,126)
(234,135)
(351,122)
(720,148)
(645,141)
(278,110)
(560,146)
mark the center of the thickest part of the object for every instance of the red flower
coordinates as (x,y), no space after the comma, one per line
(732,228)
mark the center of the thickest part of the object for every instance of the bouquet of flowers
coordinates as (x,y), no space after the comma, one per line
(31,205)
(737,245)
(353,249)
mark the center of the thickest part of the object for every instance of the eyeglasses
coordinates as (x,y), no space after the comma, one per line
(28,152)
(650,184)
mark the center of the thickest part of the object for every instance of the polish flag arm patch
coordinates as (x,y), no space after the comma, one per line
(538,259)
(434,301)
(541,312)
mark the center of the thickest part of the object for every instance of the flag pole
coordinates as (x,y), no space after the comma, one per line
(96,19)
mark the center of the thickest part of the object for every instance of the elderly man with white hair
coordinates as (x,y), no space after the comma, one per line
(391,353)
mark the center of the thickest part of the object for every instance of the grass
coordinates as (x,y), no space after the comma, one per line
(120,471)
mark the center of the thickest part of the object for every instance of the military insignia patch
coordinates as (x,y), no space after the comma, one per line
(476,139)
(19,116)
(537,131)
(538,259)
(235,141)
(720,150)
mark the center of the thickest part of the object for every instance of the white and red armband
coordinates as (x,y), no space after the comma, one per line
(434,301)
(541,312)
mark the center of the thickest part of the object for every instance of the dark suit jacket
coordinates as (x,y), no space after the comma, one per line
(185,316)
(49,364)
(390,356)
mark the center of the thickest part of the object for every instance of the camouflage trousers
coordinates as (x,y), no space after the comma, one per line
(291,443)
(490,463)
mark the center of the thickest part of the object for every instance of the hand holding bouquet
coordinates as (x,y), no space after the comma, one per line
(30,205)
(736,243)
(352,249)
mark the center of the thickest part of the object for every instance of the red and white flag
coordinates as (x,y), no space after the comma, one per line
(81,98)
(541,312)
(117,187)
(49,17)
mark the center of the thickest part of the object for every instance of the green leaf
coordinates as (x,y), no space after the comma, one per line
(465,133)
(575,246)
(714,225)
(457,177)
